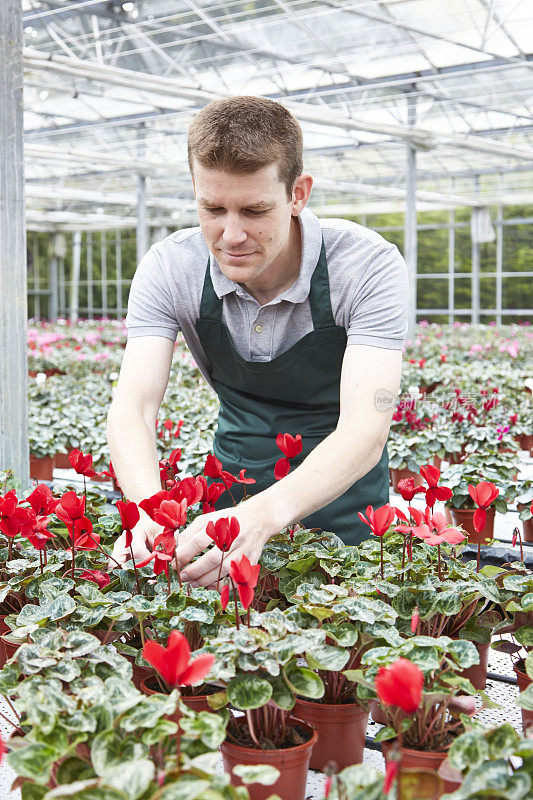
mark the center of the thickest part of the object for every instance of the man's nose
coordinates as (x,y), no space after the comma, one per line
(233,233)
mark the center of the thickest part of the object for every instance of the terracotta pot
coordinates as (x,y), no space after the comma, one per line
(42,468)
(477,674)
(9,648)
(377,713)
(139,674)
(61,461)
(523,680)
(465,518)
(292,762)
(196,702)
(341,732)
(423,759)
(399,474)
(525,440)
(527,528)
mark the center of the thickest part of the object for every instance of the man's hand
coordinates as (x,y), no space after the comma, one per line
(142,542)
(252,538)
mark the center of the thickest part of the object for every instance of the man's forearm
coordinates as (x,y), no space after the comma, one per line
(328,471)
(133,452)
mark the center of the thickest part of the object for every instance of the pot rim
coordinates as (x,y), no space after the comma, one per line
(296,748)
(347,706)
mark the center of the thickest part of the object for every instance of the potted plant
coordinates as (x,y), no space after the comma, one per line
(257,664)
(408,443)
(84,730)
(494,762)
(423,698)
(495,469)
(524,504)
(355,623)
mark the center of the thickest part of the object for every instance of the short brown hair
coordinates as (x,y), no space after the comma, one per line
(244,134)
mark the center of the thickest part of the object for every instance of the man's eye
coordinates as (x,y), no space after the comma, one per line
(214,210)
(254,213)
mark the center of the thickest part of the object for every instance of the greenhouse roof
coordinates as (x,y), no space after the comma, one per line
(111,87)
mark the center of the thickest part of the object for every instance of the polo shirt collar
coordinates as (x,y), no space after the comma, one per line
(299,291)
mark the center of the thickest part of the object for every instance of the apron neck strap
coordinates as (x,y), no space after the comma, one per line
(319,297)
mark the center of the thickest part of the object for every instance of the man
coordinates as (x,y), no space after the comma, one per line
(298,325)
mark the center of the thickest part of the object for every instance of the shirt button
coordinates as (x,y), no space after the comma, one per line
(258,328)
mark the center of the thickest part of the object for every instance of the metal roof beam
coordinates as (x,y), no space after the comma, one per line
(425,139)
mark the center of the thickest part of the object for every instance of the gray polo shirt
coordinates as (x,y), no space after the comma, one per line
(368,288)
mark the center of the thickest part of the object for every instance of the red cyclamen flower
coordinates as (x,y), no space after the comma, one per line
(245,575)
(483,495)
(171,514)
(162,553)
(174,663)
(129,517)
(400,685)
(391,773)
(434,492)
(213,469)
(42,500)
(291,446)
(224,596)
(223,532)
(407,488)
(102,579)
(379,519)
(82,463)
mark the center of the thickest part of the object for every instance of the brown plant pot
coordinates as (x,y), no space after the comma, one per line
(423,759)
(477,674)
(197,702)
(9,648)
(400,474)
(341,732)
(139,674)
(525,440)
(523,680)
(527,528)
(292,762)
(42,468)
(377,713)
(61,461)
(465,518)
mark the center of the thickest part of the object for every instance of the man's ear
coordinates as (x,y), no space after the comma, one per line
(301,192)
(193,185)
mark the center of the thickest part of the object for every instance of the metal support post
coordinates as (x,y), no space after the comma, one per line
(499,265)
(142,229)
(36,278)
(75,281)
(475,273)
(118,261)
(62,301)
(90,297)
(14,452)
(451,267)
(410,223)
(103,266)
(52,284)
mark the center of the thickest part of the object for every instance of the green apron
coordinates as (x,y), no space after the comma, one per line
(296,392)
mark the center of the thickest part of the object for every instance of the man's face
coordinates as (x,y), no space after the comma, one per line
(245,219)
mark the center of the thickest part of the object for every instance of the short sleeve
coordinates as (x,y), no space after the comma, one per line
(151,309)
(378,310)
